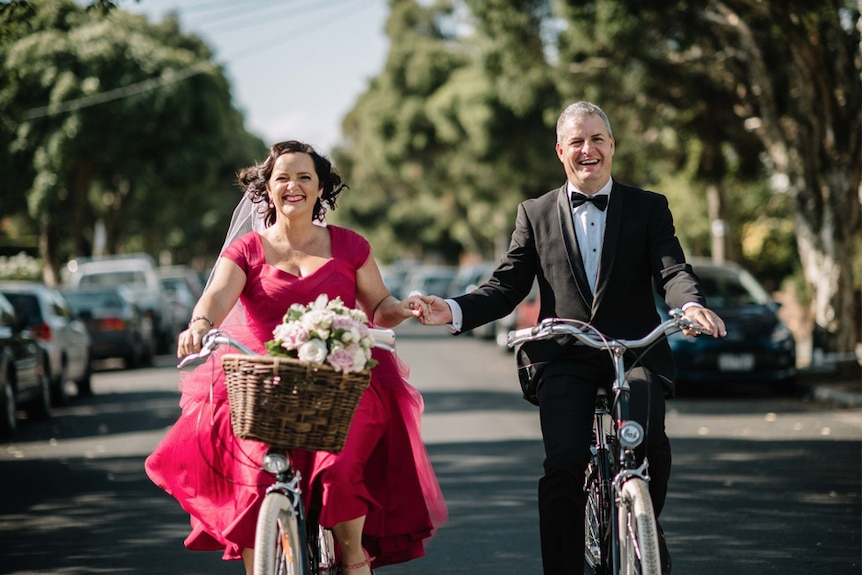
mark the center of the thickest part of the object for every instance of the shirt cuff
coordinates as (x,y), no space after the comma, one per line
(457,316)
(690,304)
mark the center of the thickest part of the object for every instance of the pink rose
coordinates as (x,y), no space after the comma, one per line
(342,359)
(290,335)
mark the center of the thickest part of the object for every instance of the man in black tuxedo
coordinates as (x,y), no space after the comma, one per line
(595,247)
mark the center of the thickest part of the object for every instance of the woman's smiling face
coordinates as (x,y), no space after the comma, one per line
(294,186)
(586,151)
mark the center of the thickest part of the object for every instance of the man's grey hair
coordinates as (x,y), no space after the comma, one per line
(577,112)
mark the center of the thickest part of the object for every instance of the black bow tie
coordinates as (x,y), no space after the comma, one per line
(600,202)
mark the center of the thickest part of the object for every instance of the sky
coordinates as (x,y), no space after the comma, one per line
(296,67)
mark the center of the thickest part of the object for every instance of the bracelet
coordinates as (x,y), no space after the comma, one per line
(203,317)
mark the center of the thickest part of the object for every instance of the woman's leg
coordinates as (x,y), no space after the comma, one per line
(248,561)
(349,537)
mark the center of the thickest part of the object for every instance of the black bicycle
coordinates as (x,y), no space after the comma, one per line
(621,536)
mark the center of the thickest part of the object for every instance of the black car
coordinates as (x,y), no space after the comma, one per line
(118,326)
(24,382)
(759,347)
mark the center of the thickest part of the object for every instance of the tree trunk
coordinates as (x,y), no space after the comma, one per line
(813,138)
(49,250)
(826,238)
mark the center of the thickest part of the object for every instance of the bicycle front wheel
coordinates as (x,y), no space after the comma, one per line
(638,535)
(278,549)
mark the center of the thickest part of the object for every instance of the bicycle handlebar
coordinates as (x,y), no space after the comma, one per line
(550,327)
(214,338)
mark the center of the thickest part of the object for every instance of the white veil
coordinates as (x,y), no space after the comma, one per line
(247,217)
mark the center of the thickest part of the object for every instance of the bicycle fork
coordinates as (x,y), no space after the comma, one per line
(287,483)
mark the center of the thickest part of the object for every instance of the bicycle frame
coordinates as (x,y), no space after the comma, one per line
(615,438)
(613,462)
(316,551)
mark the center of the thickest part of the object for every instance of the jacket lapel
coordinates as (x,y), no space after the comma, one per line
(613,223)
(570,238)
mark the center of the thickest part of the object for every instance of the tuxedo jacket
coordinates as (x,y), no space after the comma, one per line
(640,248)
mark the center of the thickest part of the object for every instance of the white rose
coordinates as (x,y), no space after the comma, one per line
(314,351)
(360,357)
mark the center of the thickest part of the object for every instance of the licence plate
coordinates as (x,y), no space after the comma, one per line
(735,361)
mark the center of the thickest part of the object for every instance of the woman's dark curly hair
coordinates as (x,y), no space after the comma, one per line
(253,179)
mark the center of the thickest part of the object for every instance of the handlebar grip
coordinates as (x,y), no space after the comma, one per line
(192,360)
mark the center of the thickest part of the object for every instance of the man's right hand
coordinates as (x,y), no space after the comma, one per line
(440,313)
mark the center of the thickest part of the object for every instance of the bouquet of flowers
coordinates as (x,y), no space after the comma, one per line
(325,332)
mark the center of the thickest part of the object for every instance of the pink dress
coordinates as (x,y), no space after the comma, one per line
(383,471)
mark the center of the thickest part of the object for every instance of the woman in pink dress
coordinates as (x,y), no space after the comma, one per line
(379,495)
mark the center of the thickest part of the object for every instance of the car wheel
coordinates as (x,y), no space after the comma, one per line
(85,384)
(786,387)
(59,395)
(8,418)
(132,359)
(40,408)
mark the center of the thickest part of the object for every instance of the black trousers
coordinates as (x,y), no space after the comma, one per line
(566,408)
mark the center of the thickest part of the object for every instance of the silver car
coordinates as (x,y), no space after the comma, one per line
(64,338)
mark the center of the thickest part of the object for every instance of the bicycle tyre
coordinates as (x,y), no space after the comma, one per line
(638,535)
(277,546)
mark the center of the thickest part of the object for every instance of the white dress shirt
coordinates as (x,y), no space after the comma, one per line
(590,229)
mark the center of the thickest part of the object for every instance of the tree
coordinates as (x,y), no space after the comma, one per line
(113,119)
(772,87)
(439,141)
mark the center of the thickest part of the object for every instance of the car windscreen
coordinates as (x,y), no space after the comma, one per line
(114,278)
(93,300)
(727,289)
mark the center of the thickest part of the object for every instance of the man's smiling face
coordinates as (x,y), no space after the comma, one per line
(586,151)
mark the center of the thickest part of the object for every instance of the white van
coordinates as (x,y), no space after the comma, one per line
(138,273)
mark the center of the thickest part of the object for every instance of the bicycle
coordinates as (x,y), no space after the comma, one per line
(288,541)
(621,534)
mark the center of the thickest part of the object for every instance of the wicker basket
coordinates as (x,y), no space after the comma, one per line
(290,403)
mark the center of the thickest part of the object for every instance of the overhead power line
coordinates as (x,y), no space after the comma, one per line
(171,77)
(168,77)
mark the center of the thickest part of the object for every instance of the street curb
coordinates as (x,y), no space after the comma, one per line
(842,397)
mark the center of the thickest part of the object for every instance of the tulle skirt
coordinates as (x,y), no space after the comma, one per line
(383,472)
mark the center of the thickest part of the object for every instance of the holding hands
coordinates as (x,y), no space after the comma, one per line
(432,310)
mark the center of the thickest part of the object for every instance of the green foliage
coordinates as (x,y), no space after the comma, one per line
(449,137)
(20,267)
(115,119)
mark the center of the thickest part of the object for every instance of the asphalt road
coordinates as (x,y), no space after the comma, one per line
(760,484)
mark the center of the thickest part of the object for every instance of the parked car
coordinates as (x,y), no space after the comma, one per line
(429,280)
(24,381)
(118,327)
(468,278)
(759,347)
(525,314)
(394,275)
(138,273)
(64,338)
(182,287)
